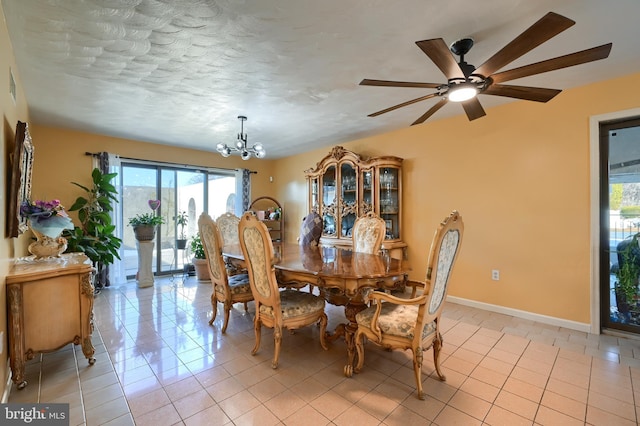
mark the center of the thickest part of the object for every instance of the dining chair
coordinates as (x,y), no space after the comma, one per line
(228,225)
(310,230)
(275,308)
(226,289)
(368,233)
(414,323)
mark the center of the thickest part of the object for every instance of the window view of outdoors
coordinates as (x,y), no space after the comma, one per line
(624,223)
(623,161)
(184,194)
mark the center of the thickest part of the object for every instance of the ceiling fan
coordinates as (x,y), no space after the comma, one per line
(466,81)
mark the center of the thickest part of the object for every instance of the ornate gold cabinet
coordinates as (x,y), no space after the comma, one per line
(49,304)
(344,186)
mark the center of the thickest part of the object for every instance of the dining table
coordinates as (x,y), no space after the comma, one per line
(344,277)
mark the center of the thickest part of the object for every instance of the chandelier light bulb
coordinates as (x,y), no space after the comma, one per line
(241,145)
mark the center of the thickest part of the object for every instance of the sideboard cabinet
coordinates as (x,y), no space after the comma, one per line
(344,186)
(49,304)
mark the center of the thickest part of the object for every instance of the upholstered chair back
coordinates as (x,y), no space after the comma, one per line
(212,244)
(228,226)
(259,256)
(368,233)
(310,230)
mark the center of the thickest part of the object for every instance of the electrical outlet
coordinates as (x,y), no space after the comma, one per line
(495,275)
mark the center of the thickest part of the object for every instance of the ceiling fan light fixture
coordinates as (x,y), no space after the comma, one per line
(241,145)
(462,92)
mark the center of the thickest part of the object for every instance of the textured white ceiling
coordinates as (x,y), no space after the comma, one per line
(179,72)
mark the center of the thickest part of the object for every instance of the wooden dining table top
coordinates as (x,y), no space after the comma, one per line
(328,262)
(344,272)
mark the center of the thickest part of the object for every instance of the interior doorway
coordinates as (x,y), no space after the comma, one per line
(619,254)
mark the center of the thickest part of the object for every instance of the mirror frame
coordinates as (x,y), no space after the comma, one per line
(21,163)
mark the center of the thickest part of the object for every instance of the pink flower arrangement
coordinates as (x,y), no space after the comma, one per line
(46,217)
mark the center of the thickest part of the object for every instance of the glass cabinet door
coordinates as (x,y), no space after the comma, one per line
(349,198)
(313,195)
(390,200)
(329,201)
(367,191)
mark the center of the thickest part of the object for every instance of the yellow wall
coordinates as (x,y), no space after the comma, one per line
(11,113)
(520,178)
(60,159)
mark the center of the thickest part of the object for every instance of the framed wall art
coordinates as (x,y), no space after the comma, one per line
(19,183)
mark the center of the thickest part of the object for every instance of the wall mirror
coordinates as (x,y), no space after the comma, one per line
(21,166)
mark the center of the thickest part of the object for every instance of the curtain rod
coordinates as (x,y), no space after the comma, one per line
(96,154)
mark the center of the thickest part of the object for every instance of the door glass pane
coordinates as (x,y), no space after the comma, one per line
(621,307)
(139,185)
(389,201)
(222,195)
(329,201)
(349,186)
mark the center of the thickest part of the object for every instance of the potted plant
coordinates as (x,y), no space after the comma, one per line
(144,224)
(95,236)
(181,220)
(627,274)
(199,259)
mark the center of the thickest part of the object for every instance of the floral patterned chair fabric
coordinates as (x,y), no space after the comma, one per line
(228,225)
(400,323)
(368,233)
(226,289)
(275,308)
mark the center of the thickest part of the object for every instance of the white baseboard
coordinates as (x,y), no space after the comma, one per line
(559,322)
(7,384)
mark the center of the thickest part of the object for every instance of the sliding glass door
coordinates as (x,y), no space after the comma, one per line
(181,190)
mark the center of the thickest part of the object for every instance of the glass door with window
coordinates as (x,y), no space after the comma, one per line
(182,191)
(620,224)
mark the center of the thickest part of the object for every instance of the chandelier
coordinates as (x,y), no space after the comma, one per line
(241,145)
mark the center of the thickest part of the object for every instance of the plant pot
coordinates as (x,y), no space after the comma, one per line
(181,244)
(202,269)
(144,232)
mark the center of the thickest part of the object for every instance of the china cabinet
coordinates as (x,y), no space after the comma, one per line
(269,211)
(345,185)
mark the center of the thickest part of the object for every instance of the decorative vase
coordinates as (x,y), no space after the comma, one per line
(46,246)
(144,232)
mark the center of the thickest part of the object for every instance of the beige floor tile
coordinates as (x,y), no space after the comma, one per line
(499,416)
(160,363)
(306,416)
(451,416)
(565,405)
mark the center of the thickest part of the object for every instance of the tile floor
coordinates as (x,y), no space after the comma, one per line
(160,363)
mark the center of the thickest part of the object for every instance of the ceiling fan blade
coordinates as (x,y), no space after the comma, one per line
(437,50)
(387,83)
(431,111)
(577,58)
(547,27)
(537,94)
(412,101)
(473,109)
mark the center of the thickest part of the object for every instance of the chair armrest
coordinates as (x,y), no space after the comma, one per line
(414,287)
(378,297)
